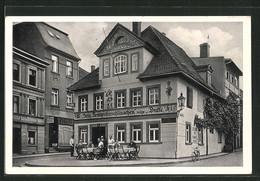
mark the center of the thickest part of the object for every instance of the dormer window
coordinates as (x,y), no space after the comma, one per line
(208,77)
(120,64)
(50,33)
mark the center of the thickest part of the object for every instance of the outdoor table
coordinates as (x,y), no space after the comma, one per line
(90,150)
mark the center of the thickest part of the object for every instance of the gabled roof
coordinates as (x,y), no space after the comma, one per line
(82,73)
(171,59)
(230,63)
(91,80)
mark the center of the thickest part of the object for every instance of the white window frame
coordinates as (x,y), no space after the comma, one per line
(69,98)
(54,97)
(154,132)
(106,67)
(69,68)
(120,64)
(99,102)
(34,99)
(120,99)
(152,96)
(134,62)
(34,69)
(136,131)
(55,62)
(136,97)
(120,131)
(83,104)
(84,135)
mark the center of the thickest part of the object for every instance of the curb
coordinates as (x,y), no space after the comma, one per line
(128,165)
(39,155)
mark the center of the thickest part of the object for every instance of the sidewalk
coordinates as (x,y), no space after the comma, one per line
(66,161)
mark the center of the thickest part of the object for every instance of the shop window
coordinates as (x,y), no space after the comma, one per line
(16,72)
(98,100)
(136,97)
(32,107)
(106,68)
(31,137)
(134,62)
(153,132)
(200,135)
(55,63)
(188,133)
(32,77)
(153,96)
(120,64)
(189,97)
(219,137)
(120,131)
(120,98)
(136,132)
(16,104)
(69,70)
(55,97)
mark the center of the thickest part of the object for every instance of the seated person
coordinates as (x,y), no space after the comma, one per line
(111,141)
(100,143)
(116,144)
(90,145)
(132,144)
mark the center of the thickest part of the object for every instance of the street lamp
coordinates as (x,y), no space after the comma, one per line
(181,101)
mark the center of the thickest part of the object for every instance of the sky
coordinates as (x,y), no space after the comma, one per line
(225,38)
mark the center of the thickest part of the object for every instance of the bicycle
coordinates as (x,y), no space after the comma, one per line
(195,155)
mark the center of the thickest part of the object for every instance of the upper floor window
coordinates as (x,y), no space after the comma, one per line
(153,132)
(32,107)
(16,104)
(55,63)
(120,64)
(55,97)
(188,133)
(83,103)
(32,77)
(136,97)
(16,72)
(227,75)
(120,98)
(208,77)
(69,71)
(134,62)
(189,97)
(153,96)
(69,99)
(106,67)
(98,99)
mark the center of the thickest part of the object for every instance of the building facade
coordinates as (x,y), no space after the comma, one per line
(53,46)
(28,102)
(133,95)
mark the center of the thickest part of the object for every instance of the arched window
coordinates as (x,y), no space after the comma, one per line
(120,64)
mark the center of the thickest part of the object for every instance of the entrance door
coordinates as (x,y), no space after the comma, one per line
(97,132)
(16,140)
(53,133)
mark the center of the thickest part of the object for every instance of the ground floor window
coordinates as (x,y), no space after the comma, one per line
(200,135)
(136,132)
(31,137)
(188,133)
(120,133)
(219,137)
(84,135)
(153,131)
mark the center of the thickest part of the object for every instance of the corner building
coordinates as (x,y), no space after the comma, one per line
(133,95)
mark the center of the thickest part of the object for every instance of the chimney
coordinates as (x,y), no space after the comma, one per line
(92,68)
(204,50)
(137,28)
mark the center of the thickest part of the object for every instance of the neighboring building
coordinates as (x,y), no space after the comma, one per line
(224,77)
(133,96)
(82,73)
(53,46)
(28,102)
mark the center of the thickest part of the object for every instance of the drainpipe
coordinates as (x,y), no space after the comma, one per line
(207,143)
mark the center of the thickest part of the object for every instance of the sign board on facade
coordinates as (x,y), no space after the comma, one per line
(145,110)
(50,119)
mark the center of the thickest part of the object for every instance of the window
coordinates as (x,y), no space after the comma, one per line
(227,75)
(136,97)
(235,81)
(219,137)
(32,77)
(120,64)
(153,96)
(55,63)
(120,133)
(69,99)
(188,133)
(16,72)
(189,97)
(16,104)
(83,103)
(55,97)
(69,71)
(134,62)
(136,132)
(232,78)
(211,130)
(106,67)
(120,98)
(98,100)
(32,107)
(208,78)
(153,132)
(31,137)
(200,135)
(84,135)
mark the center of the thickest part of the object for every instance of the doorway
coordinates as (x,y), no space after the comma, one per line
(97,132)
(53,133)
(16,140)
